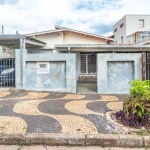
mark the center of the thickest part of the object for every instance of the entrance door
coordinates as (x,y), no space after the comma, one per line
(87,77)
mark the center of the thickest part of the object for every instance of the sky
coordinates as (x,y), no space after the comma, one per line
(93,16)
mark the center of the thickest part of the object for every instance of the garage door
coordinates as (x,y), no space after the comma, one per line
(119,73)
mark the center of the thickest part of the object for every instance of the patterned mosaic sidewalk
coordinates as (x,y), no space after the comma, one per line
(39,112)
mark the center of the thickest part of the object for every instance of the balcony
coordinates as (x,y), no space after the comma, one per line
(142,38)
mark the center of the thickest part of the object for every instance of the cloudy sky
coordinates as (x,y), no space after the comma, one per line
(94,16)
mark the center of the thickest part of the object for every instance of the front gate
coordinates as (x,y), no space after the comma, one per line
(88,67)
(7,68)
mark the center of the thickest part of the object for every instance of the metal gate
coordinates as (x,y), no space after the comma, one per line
(7,68)
(88,63)
(88,66)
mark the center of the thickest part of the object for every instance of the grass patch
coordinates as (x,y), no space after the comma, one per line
(143,133)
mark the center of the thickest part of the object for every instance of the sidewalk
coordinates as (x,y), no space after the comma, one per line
(41,147)
(62,119)
(48,112)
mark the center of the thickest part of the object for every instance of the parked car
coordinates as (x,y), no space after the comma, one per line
(7,72)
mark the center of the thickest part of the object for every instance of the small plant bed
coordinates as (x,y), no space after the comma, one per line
(136,107)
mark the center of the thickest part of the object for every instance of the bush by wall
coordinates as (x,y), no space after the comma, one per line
(135,111)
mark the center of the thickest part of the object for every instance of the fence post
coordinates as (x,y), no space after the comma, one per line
(143,66)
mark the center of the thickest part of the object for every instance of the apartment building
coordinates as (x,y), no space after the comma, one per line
(132,29)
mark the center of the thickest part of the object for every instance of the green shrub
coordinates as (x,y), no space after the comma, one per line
(140,88)
(135,112)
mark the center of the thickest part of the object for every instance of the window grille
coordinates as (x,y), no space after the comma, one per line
(88,63)
(83,64)
(42,67)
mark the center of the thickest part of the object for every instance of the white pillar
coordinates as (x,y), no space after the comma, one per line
(22,47)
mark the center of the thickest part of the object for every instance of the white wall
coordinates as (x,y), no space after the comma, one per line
(120,31)
(132,22)
(50,39)
(75,38)
(78,62)
(67,38)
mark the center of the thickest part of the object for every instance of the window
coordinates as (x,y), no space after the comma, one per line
(40,51)
(122,39)
(121,25)
(115,30)
(141,23)
(88,63)
(42,67)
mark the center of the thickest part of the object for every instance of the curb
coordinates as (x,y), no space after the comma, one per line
(58,139)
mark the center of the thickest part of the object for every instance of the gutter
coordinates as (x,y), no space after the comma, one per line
(99,46)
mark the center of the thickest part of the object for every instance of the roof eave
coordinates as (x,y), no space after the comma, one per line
(59,29)
(44,32)
(85,33)
(100,46)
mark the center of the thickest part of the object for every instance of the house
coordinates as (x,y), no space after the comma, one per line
(62,35)
(88,49)
(56,60)
(132,29)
